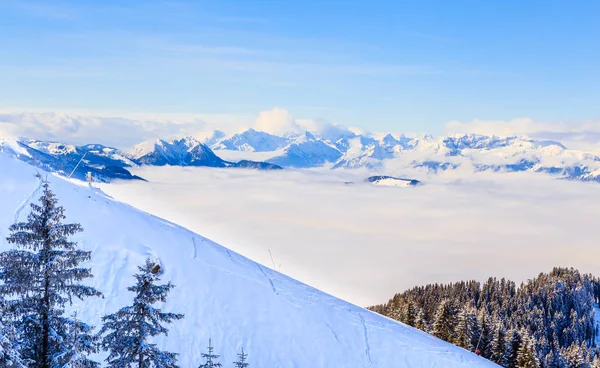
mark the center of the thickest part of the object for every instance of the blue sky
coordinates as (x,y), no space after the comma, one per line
(381,65)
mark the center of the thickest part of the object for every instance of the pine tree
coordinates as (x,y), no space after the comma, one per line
(9,354)
(126,332)
(514,343)
(81,343)
(40,277)
(421,321)
(409,314)
(443,324)
(526,355)
(485,332)
(498,350)
(465,329)
(210,357)
(241,363)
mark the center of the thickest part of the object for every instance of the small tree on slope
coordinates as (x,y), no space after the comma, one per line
(241,363)
(209,357)
(127,331)
(38,279)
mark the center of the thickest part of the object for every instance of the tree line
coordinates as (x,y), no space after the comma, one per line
(546,322)
(42,274)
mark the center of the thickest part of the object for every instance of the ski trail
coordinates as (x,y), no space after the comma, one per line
(27,200)
(333,332)
(195,250)
(229,254)
(368,347)
(268,278)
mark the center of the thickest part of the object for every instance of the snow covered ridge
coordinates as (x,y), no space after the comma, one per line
(107,163)
(390,181)
(549,321)
(349,150)
(225,297)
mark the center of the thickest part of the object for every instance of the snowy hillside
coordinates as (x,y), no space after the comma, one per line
(236,302)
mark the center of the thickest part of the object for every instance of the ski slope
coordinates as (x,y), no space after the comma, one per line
(280,322)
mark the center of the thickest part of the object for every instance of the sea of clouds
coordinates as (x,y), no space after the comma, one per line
(364,243)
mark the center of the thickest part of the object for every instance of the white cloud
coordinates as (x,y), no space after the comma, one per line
(280,121)
(126,130)
(120,132)
(582,135)
(276,121)
(455,227)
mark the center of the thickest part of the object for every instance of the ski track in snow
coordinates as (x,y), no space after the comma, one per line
(268,278)
(368,347)
(195,250)
(333,332)
(27,200)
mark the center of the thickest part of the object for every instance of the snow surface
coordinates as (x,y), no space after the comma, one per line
(392,182)
(236,302)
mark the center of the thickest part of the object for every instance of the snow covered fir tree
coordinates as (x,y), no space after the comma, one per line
(241,362)
(546,322)
(38,278)
(210,358)
(127,333)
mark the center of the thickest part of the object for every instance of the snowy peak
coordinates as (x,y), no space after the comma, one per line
(307,151)
(177,152)
(251,140)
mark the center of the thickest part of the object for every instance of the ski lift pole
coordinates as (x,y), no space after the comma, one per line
(76,166)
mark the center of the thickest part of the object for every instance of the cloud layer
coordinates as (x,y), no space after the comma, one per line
(128,130)
(390,239)
(583,135)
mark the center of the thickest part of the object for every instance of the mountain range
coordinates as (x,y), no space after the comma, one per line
(337,149)
(107,163)
(349,150)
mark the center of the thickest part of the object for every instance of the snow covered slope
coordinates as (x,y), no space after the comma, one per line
(280,322)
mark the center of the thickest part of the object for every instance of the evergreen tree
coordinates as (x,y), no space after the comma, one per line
(554,359)
(498,350)
(210,357)
(241,363)
(514,346)
(526,355)
(409,314)
(444,321)
(127,331)
(421,321)
(575,356)
(81,343)
(465,329)
(9,353)
(485,332)
(40,277)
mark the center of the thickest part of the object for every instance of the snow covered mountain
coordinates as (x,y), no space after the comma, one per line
(250,140)
(235,302)
(349,150)
(178,152)
(307,151)
(186,152)
(105,163)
